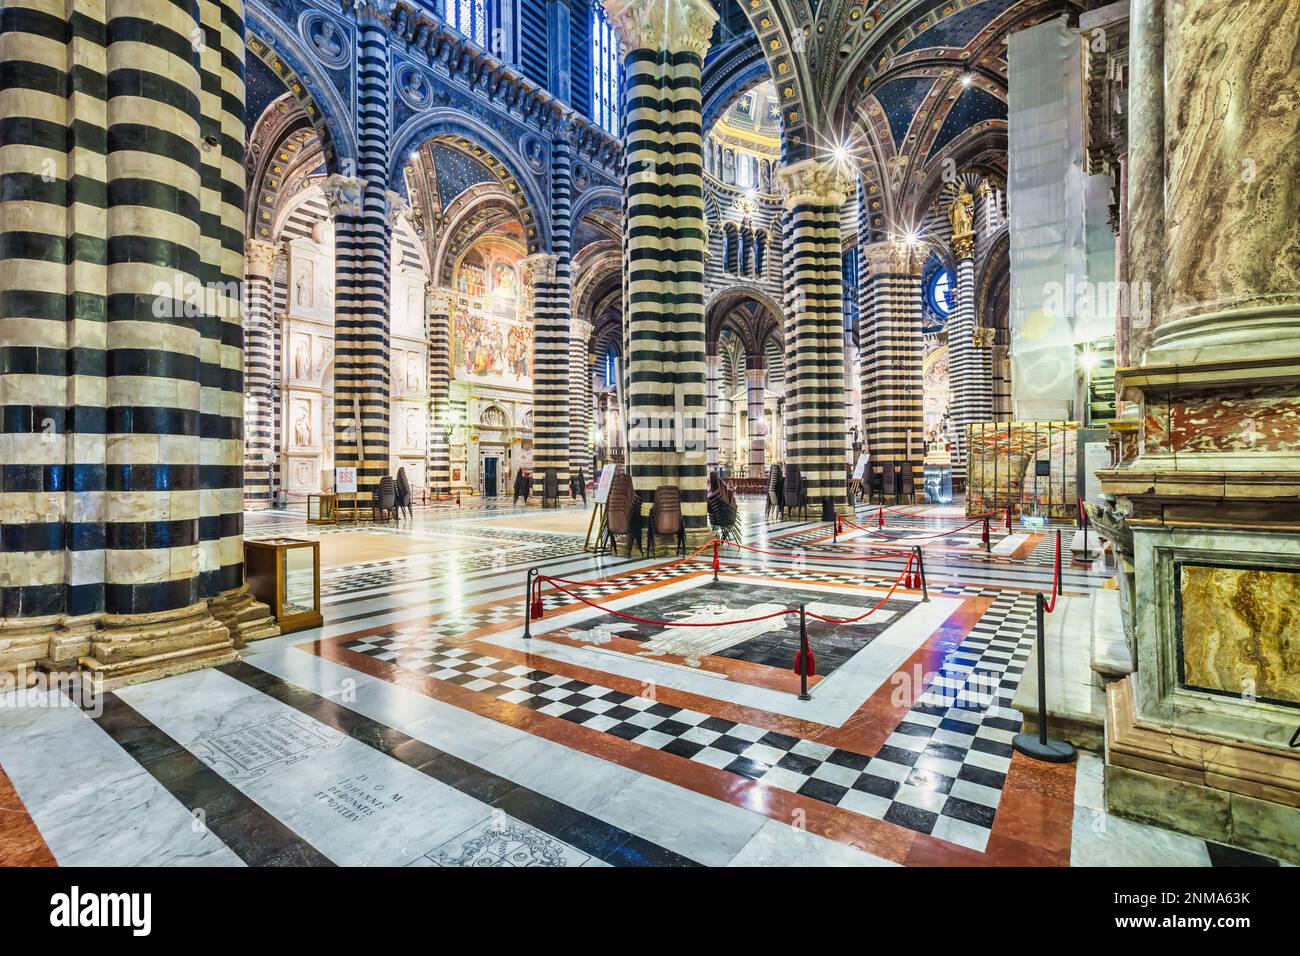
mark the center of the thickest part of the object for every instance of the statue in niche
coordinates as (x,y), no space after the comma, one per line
(302,428)
(326,40)
(412,374)
(962,213)
(302,285)
(301,361)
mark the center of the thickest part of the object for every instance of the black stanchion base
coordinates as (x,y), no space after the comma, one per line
(805,696)
(1054,751)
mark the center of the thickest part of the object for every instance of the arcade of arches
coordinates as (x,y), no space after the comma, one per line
(320,333)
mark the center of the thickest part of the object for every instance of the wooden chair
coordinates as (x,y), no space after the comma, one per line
(666,518)
(622,512)
(876,489)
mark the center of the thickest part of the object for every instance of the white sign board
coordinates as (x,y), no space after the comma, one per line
(345,481)
(1096,457)
(860,469)
(603,484)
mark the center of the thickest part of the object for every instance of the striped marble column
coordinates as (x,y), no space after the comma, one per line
(362,240)
(896,425)
(259,362)
(437,311)
(755,392)
(866,327)
(712,368)
(962,358)
(663,43)
(122,492)
(580,398)
(545,303)
(813,193)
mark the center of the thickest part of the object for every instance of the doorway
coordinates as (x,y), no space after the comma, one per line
(490,466)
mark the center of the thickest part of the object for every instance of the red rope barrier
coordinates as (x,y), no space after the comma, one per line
(1050,606)
(923,537)
(536,599)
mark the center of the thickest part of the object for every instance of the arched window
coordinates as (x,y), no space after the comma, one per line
(760,253)
(470,18)
(729,248)
(605,79)
(745,168)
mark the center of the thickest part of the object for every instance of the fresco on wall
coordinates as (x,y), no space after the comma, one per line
(491,348)
(1027,466)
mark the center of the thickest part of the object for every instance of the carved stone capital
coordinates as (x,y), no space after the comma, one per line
(438,300)
(259,256)
(397,207)
(343,194)
(963,247)
(895,257)
(678,26)
(982,336)
(539,268)
(813,182)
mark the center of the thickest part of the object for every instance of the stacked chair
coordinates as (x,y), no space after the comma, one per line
(385,499)
(666,519)
(775,492)
(796,492)
(622,512)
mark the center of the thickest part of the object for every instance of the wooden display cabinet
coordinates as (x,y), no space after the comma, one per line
(284,574)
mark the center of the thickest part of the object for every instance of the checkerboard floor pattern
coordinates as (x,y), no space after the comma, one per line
(940,772)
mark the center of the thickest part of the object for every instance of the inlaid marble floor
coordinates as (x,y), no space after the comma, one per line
(420,725)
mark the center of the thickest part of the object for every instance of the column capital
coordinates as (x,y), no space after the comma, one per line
(259,256)
(895,257)
(963,247)
(437,299)
(813,182)
(343,194)
(678,26)
(539,267)
(397,206)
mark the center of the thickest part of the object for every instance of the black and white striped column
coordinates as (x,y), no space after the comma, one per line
(546,304)
(755,393)
(259,361)
(437,311)
(896,423)
(972,388)
(713,366)
(813,194)
(362,238)
(122,490)
(580,392)
(663,43)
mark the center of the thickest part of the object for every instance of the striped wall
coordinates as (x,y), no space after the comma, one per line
(121,408)
(362,237)
(664,42)
(260,347)
(814,193)
(895,422)
(438,303)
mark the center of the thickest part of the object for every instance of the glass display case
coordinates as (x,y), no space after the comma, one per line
(284,574)
(320,509)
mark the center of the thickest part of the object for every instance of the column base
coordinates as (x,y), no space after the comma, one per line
(23,642)
(244,616)
(141,647)
(1212,787)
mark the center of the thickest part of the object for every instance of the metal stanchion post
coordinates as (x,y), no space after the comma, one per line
(1040,746)
(528,604)
(803,653)
(920,568)
(984,533)
(715,561)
